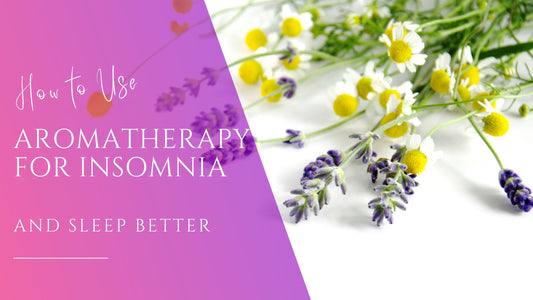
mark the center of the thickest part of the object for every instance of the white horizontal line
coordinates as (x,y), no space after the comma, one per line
(60,258)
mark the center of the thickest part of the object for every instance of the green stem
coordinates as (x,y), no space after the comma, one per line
(257,56)
(466,116)
(280,90)
(463,27)
(317,132)
(337,65)
(405,118)
(480,133)
(488,97)
(451,20)
(285,52)
(320,54)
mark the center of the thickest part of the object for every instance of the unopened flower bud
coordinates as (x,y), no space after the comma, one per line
(524,110)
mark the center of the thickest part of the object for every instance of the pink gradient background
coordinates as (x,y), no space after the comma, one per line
(246,255)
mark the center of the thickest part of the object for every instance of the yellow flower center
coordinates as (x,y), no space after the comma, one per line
(364,86)
(495,124)
(399,108)
(385,96)
(269,86)
(440,82)
(255,39)
(292,65)
(389,30)
(415,160)
(250,71)
(476,104)
(400,52)
(291,27)
(395,131)
(464,93)
(345,105)
(472,74)
(352,20)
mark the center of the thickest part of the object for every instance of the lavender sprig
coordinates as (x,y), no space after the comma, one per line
(517,192)
(364,146)
(177,95)
(215,119)
(290,83)
(231,150)
(296,137)
(291,55)
(317,176)
(393,190)
(167,101)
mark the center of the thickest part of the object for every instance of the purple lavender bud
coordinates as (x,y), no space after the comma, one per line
(296,137)
(373,170)
(211,75)
(192,86)
(231,150)
(517,192)
(215,119)
(291,55)
(167,101)
(286,81)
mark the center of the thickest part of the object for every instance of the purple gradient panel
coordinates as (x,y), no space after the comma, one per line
(246,254)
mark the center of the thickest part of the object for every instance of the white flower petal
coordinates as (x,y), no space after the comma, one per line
(427,146)
(392,104)
(415,122)
(397,33)
(418,59)
(410,66)
(413,141)
(401,67)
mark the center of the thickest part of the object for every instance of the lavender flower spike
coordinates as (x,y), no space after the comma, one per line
(291,55)
(167,101)
(286,81)
(517,192)
(211,74)
(215,119)
(192,86)
(295,137)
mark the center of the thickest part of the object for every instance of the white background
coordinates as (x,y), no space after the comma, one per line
(459,238)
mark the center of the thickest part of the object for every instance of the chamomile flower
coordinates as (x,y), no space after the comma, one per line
(293,24)
(384,91)
(250,71)
(367,83)
(358,11)
(296,62)
(442,79)
(256,38)
(480,92)
(494,123)
(474,73)
(269,86)
(253,70)
(465,91)
(345,103)
(354,21)
(405,50)
(397,108)
(404,106)
(419,153)
(407,26)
